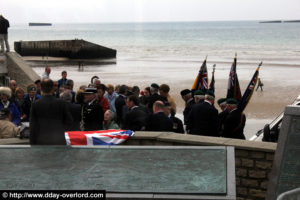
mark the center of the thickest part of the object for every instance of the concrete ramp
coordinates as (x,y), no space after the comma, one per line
(3,65)
(19,70)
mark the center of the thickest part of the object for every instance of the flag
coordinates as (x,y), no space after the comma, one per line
(212,82)
(233,90)
(92,138)
(201,81)
(249,91)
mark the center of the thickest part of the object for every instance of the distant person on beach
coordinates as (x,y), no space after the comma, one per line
(49,118)
(46,73)
(259,84)
(4,25)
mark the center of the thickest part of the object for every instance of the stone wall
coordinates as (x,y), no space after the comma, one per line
(253,160)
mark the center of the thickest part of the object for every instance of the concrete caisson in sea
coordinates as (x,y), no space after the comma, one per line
(74,49)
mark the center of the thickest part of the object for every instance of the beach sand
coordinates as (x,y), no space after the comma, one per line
(281,82)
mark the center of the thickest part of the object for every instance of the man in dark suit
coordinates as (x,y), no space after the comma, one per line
(203,118)
(234,122)
(28,100)
(136,117)
(158,121)
(92,113)
(49,118)
(177,123)
(186,95)
(120,103)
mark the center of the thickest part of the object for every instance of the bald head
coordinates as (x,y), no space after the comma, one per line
(158,106)
(13,85)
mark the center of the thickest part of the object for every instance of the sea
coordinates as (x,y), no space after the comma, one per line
(180,41)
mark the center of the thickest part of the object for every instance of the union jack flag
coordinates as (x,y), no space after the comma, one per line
(201,81)
(92,138)
(249,91)
(233,90)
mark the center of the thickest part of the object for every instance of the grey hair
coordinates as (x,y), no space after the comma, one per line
(111,114)
(66,96)
(209,97)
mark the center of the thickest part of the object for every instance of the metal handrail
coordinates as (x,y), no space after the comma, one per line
(290,195)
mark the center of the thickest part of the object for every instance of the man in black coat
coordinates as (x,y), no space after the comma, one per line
(203,118)
(92,113)
(28,100)
(235,121)
(186,95)
(49,118)
(120,103)
(4,25)
(158,121)
(136,117)
(177,123)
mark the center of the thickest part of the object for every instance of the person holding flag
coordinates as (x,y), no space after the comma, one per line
(233,90)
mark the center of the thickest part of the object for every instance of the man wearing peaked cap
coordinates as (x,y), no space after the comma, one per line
(186,95)
(92,112)
(28,100)
(203,118)
(234,122)
(199,96)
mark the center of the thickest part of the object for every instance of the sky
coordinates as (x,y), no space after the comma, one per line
(102,11)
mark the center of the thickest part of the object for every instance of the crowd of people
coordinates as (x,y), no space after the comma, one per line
(53,107)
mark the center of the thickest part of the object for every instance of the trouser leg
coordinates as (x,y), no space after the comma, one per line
(6,42)
(2,42)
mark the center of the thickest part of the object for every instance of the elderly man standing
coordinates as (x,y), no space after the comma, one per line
(4,25)
(234,122)
(49,118)
(203,118)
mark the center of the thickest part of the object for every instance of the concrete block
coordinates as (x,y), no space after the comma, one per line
(263,164)
(257,193)
(249,182)
(241,172)
(257,174)
(247,162)
(241,191)
(241,153)
(257,154)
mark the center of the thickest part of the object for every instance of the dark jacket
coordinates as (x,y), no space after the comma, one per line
(92,116)
(234,125)
(135,119)
(222,116)
(4,24)
(153,98)
(49,119)
(119,103)
(187,110)
(177,125)
(15,114)
(26,107)
(203,120)
(159,122)
(76,114)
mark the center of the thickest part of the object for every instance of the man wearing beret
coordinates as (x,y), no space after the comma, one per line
(222,115)
(234,122)
(186,95)
(155,96)
(203,118)
(28,100)
(199,96)
(49,118)
(92,113)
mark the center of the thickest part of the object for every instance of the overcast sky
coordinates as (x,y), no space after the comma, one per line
(79,11)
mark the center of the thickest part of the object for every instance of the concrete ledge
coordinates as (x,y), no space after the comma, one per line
(20,71)
(204,140)
(11,141)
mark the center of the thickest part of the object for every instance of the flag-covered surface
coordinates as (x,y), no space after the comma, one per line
(212,82)
(92,138)
(249,91)
(233,90)
(201,81)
